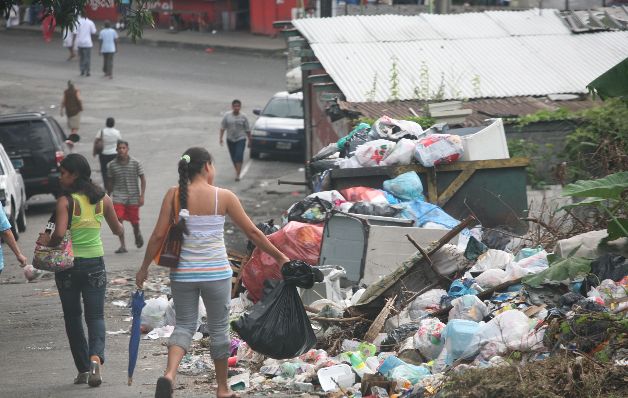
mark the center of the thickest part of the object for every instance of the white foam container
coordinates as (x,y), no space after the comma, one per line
(342,374)
(488,143)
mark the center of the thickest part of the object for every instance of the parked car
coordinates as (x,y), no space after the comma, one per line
(280,126)
(38,143)
(12,194)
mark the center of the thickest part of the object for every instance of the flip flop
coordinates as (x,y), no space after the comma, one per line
(121,250)
(164,388)
(139,241)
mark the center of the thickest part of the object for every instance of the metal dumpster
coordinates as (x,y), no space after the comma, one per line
(494,191)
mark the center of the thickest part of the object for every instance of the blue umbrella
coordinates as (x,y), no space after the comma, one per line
(137,303)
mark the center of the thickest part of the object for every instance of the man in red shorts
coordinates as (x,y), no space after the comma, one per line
(123,175)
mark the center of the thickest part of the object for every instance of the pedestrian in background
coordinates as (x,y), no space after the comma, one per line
(108,39)
(203,268)
(123,174)
(110,137)
(48,25)
(69,42)
(73,106)
(85,28)
(9,239)
(238,131)
(87,278)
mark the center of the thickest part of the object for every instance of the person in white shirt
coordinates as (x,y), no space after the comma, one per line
(110,137)
(83,40)
(108,46)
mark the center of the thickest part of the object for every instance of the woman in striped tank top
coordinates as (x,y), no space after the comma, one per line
(203,269)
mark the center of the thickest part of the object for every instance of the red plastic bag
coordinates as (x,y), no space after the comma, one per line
(364,194)
(298,241)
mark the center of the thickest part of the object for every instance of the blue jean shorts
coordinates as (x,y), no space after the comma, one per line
(236,150)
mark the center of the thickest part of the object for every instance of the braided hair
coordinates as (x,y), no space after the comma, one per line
(190,164)
(78,164)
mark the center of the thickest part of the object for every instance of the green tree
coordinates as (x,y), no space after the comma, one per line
(66,13)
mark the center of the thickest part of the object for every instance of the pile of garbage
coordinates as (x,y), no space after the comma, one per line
(392,142)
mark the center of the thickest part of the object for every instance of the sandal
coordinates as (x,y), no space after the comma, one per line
(81,378)
(164,388)
(139,241)
(94,379)
(121,250)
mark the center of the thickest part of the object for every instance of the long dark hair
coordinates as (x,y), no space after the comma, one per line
(75,163)
(190,164)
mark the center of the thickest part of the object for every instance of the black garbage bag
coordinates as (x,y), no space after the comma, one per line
(310,210)
(474,249)
(373,209)
(607,266)
(278,326)
(496,239)
(267,228)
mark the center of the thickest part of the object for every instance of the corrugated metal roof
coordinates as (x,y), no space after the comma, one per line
(478,55)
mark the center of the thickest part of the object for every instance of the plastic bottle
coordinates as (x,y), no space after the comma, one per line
(358,365)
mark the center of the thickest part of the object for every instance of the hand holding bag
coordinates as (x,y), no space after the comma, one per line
(170,250)
(60,257)
(98,145)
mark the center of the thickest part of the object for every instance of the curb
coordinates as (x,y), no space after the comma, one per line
(260,52)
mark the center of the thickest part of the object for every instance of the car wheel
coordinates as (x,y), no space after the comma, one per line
(21,220)
(254,154)
(14,228)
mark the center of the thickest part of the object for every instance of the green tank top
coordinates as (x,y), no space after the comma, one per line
(85,229)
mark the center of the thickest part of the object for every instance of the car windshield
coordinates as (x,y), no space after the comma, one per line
(21,135)
(284,107)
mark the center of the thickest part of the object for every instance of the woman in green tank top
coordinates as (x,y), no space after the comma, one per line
(87,278)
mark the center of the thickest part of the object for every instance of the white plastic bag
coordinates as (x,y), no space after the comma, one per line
(491,277)
(349,163)
(509,330)
(153,313)
(393,129)
(372,153)
(401,154)
(492,259)
(526,266)
(468,307)
(330,196)
(438,149)
(428,338)
(170,316)
(427,302)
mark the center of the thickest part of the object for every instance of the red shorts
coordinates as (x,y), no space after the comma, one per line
(130,213)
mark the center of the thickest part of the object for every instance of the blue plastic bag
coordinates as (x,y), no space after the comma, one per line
(406,186)
(459,288)
(423,212)
(459,336)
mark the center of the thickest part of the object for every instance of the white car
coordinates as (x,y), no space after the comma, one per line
(12,193)
(279,129)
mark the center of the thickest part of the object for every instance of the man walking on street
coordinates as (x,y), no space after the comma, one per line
(83,40)
(123,174)
(238,131)
(108,46)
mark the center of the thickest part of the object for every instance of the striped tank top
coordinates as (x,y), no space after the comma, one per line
(203,253)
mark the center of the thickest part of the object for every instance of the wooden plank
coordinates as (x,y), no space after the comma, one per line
(432,190)
(454,186)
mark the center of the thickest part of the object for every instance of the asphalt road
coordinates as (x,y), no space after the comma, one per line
(164,101)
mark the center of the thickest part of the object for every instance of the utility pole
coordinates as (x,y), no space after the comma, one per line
(442,6)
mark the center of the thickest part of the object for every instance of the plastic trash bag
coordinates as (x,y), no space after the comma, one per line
(462,287)
(438,149)
(426,303)
(428,339)
(408,373)
(406,186)
(401,154)
(528,265)
(153,313)
(474,249)
(424,212)
(278,326)
(393,129)
(333,196)
(364,194)
(459,337)
(359,135)
(372,153)
(267,228)
(374,209)
(310,210)
(491,278)
(298,241)
(468,307)
(492,259)
(508,330)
